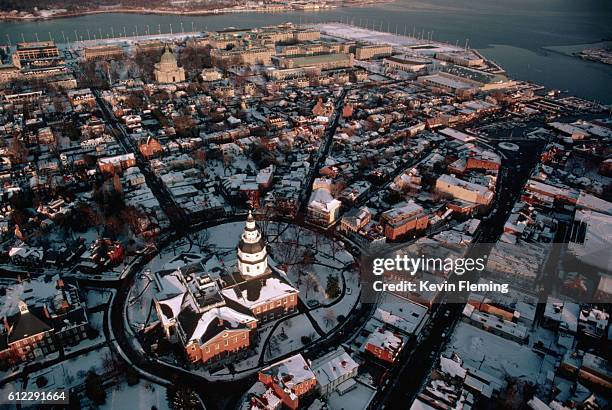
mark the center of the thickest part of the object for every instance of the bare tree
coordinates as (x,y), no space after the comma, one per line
(17,150)
(329,317)
(310,282)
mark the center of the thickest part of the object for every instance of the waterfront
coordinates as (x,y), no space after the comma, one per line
(516,36)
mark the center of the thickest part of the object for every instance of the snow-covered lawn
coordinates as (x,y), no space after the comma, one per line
(96,320)
(7,388)
(142,396)
(97,297)
(292,247)
(327,317)
(72,372)
(140,301)
(248,363)
(288,336)
(312,281)
(78,367)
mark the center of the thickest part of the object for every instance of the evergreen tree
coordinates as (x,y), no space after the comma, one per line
(333,287)
(94,388)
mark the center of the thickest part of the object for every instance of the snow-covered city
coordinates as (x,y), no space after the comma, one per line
(224,219)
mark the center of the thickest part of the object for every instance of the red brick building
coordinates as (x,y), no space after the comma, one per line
(403,220)
(290,379)
(218,334)
(150,148)
(384,344)
(26,336)
(268,297)
(38,329)
(116,164)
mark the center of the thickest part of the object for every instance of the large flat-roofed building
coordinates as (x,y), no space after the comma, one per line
(368,51)
(324,61)
(400,221)
(306,35)
(449,82)
(102,52)
(464,58)
(150,46)
(8,72)
(224,42)
(406,63)
(315,48)
(255,55)
(36,50)
(283,35)
(464,190)
(291,73)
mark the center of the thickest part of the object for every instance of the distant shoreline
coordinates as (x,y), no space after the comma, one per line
(198,12)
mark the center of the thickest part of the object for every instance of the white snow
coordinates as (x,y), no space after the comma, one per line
(288,336)
(141,396)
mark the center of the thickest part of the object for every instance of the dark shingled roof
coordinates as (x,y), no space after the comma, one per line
(166,310)
(253,286)
(188,319)
(28,324)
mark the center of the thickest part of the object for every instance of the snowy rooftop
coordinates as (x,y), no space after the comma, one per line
(593,203)
(495,357)
(322,199)
(333,366)
(225,316)
(491,321)
(385,339)
(291,371)
(564,312)
(458,135)
(259,291)
(452,367)
(407,323)
(451,180)
(377,37)
(595,249)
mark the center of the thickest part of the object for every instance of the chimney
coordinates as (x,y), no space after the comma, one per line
(23,307)
(46,311)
